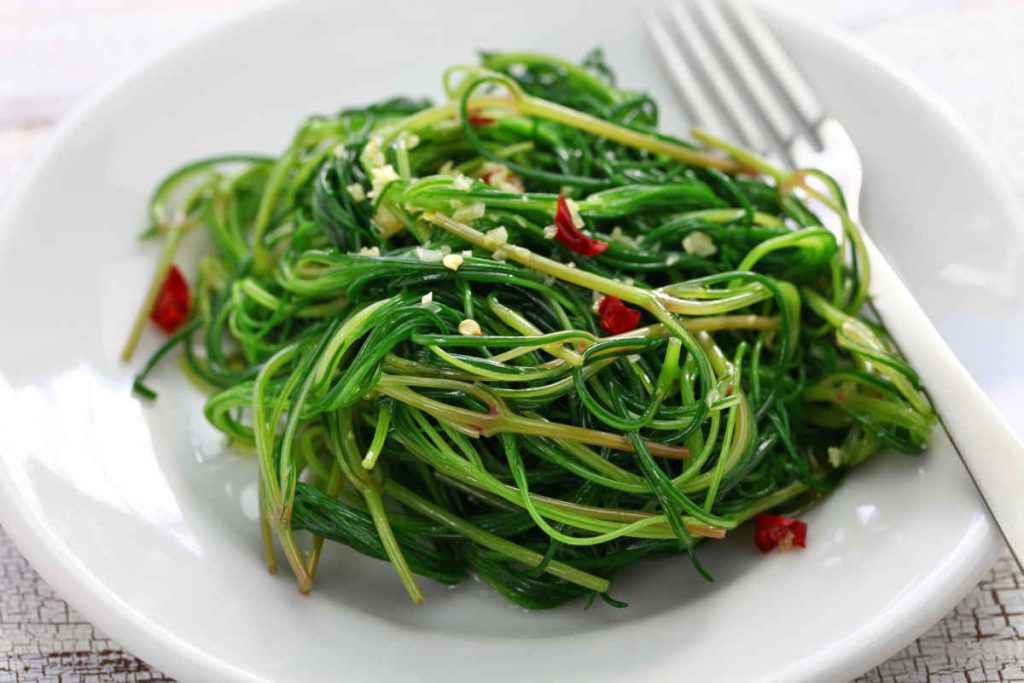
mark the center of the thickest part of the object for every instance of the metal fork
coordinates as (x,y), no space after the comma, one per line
(733,77)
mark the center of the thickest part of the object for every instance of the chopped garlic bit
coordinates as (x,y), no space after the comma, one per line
(596,296)
(369,251)
(501,177)
(382,177)
(462,182)
(410,140)
(372,152)
(498,236)
(466,214)
(452,261)
(356,191)
(500,254)
(387,222)
(427,299)
(619,236)
(489,168)
(699,244)
(470,328)
(574,211)
(447,168)
(467,252)
(428,255)
(550,231)
(835,456)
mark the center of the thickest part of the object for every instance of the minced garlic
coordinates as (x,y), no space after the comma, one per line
(699,244)
(356,191)
(452,261)
(470,328)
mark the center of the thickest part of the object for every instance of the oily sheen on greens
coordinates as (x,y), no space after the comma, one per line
(389,319)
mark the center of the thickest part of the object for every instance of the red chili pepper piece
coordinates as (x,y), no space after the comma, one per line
(569,235)
(778,531)
(172,304)
(617,317)
(478,119)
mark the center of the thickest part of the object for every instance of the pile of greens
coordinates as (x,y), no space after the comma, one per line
(523,334)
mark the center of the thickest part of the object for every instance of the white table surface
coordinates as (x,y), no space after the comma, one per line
(53,52)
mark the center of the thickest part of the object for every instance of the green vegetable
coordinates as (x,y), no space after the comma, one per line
(336,318)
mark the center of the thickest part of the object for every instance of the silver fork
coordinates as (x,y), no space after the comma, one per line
(733,77)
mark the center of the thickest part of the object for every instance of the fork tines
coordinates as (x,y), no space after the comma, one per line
(757,95)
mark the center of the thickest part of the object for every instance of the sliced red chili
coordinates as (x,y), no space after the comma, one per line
(478,119)
(170,310)
(617,317)
(776,531)
(569,235)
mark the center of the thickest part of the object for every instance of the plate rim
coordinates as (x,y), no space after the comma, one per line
(144,637)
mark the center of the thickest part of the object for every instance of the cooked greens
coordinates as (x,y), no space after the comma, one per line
(526,335)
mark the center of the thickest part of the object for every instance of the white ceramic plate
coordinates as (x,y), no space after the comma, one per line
(141,518)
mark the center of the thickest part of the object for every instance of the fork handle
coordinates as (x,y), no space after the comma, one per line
(988,446)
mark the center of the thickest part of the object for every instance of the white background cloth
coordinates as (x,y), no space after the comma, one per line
(52,52)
